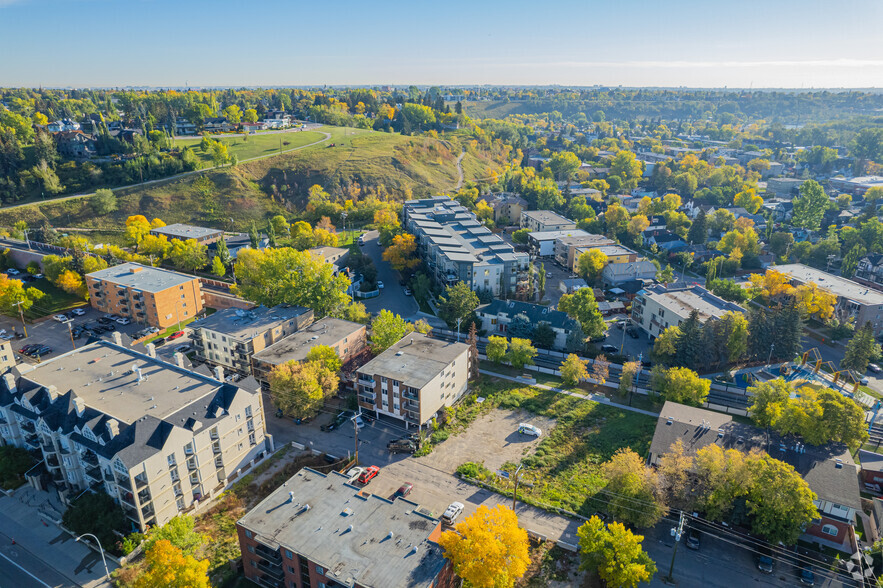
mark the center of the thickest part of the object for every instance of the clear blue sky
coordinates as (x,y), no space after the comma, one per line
(709,43)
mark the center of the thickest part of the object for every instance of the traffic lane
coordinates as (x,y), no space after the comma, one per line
(24,562)
(392,296)
(554,276)
(14,573)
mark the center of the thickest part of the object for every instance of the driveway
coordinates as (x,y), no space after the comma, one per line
(392,297)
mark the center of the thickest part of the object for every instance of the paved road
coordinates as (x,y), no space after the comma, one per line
(308,127)
(392,297)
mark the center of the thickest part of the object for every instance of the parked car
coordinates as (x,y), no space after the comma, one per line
(632,332)
(380,285)
(528,429)
(12,272)
(153,329)
(874,368)
(109,327)
(183,348)
(401,446)
(338,420)
(176,335)
(452,512)
(407,291)
(78,312)
(404,490)
(159,341)
(693,539)
(354,473)
(864,381)
(764,559)
(123,321)
(24,350)
(38,276)
(361,241)
(807,577)
(40,351)
(105,320)
(609,348)
(60,318)
(369,474)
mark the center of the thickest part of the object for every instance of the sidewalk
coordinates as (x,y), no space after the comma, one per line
(27,518)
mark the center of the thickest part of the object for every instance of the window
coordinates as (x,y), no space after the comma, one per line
(320,570)
(289,555)
(248,534)
(247,412)
(251,548)
(830,530)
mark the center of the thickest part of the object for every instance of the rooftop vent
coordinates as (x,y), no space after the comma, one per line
(669,421)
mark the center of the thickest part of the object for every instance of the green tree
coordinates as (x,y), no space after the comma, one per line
(96,513)
(14,462)
(15,298)
(326,356)
(543,336)
(851,259)
(861,349)
(582,307)
(666,276)
(189,255)
(590,264)
(628,169)
(681,385)
(520,236)
(297,388)
(631,482)
(810,206)
(521,353)
(563,165)
(629,370)
(615,553)
(698,233)
(496,348)
(458,302)
(180,532)
(388,328)
(780,500)
(103,202)
(280,225)
(218,267)
(233,114)
(573,370)
(250,115)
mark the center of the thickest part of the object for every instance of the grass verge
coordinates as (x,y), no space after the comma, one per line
(55,300)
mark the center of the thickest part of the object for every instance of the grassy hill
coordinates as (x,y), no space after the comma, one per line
(258,189)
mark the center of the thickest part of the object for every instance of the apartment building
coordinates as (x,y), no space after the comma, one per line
(182,232)
(854,300)
(347,338)
(542,243)
(7,356)
(230,337)
(545,220)
(155,436)
(565,248)
(414,379)
(658,307)
(457,247)
(829,470)
(145,294)
(317,530)
(870,271)
(507,207)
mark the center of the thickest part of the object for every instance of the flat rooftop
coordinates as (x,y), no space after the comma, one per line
(546,216)
(415,360)
(683,300)
(102,374)
(141,277)
(295,347)
(552,235)
(184,232)
(834,284)
(248,324)
(357,537)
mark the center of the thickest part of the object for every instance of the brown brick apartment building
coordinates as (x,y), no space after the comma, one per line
(318,531)
(145,294)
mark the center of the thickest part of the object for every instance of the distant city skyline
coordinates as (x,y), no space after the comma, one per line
(159,43)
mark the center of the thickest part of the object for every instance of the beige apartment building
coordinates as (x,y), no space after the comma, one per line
(545,220)
(414,379)
(156,437)
(565,248)
(658,307)
(145,294)
(230,337)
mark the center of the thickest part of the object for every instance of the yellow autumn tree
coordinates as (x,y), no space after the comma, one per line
(71,282)
(815,301)
(137,227)
(168,567)
(771,285)
(488,549)
(401,254)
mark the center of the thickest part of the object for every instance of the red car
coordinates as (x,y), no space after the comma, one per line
(405,489)
(175,335)
(369,474)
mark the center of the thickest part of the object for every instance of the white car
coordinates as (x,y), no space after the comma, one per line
(354,473)
(182,348)
(407,291)
(380,285)
(60,318)
(123,321)
(12,272)
(528,429)
(452,512)
(78,311)
(874,368)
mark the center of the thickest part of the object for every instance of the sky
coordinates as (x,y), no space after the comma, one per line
(201,43)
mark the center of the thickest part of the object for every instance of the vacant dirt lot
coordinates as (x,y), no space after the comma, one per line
(493,439)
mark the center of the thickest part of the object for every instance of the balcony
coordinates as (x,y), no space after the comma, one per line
(148,512)
(52,461)
(269,582)
(125,484)
(94,473)
(33,441)
(48,448)
(108,476)
(191,465)
(366,381)
(274,570)
(414,406)
(265,552)
(128,499)
(28,427)
(140,481)
(144,496)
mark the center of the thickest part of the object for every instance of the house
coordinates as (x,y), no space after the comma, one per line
(545,220)
(571,285)
(870,271)
(829,470)
(872,470)
(496,316)
(74,144)
(60,126)
(614,253)
(414,379)
(184,126)
(658,307)
(156,437)
(347,338)
(320,530)
(183,232)
(276,123)
(542,243)
(255,126)
(700,253)
(217,124)
(856,186)
(566,247)
(236,243)
(145,294)
(784,188)
(230,337)
(615,274)
(666,241)
(855,300)
(7,356)
(334,255)
(507,207)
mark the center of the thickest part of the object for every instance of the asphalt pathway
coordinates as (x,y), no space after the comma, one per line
(392,296)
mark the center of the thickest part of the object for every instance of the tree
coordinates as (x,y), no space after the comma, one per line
(600,370)
(14,462)
(698,233)
(457,302)
(543,335)
(156,247)
(488,549)
(280,225)
(72,283)
(387,329)
(167,567)
(629,483)
(851,259)
(666,276)
(628,169)
(137,227)
(779,500)
(297,388)
(681,385)
(250,115)
(15,298)
(286,276)
(233,114)
(749,200)
(563,165)
(472,341)
(674,469)
(189,255)
(629,370)
(615,553)
(520,236)
(861,350)
(721,477)
(218,267)
(401,254)
(96,513)
(810,206)
(521,353)
(496,348)
(180,532)
(103,202)
(541,281)
(519,326)
(326,356)
(574,370)
(582,307)
(590,263)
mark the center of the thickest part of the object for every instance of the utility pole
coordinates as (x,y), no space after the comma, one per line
(676,533)
(356,427)
(70,332)
(22,315)
(768,359)
(515,493)
(458,330)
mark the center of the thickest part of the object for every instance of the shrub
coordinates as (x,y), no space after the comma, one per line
(96,513)
(131,541)
(439,436)
(14,462)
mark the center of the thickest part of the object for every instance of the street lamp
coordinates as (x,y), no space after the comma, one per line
(768,359)
(103,559)
(676,532)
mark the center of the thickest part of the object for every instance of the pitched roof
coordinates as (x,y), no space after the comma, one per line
(535,312)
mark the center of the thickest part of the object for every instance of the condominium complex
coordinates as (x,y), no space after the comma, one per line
(566,248)
(156,437)
(145,294)
(542,243)
(458,248)
(231,336)
(347,338)
(317,530)
(545,220)
(658,307)
(414,379)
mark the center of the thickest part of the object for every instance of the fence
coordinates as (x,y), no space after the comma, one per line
(371,294)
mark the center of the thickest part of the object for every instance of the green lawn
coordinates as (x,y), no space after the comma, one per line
(173,329)
(256,145)
(55,300)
